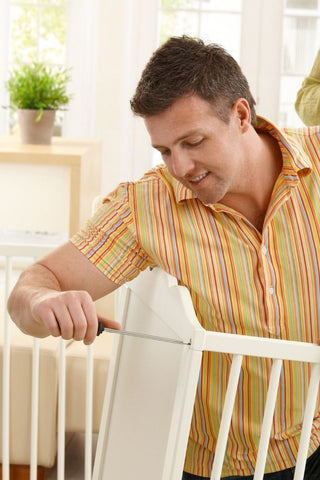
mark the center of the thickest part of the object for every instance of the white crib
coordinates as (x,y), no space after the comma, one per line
(152,384)
(148,376)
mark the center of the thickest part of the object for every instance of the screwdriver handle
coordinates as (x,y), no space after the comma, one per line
(100,328)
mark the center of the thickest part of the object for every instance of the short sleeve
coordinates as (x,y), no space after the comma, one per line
(109,239)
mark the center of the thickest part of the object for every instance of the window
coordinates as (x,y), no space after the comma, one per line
(211,20)
(275,42)
(301,40)
(37,32)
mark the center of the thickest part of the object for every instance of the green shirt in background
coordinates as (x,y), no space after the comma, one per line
(308,97)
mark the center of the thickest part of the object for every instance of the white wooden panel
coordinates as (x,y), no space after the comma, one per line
(150,394)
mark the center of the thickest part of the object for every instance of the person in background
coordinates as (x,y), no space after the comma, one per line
(233,213)
(307,103)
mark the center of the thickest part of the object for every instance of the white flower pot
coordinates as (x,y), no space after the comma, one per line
(34,132)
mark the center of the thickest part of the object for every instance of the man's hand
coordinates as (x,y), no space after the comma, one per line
(70,314)
(56,295)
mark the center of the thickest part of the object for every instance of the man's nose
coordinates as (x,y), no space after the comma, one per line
(181,163)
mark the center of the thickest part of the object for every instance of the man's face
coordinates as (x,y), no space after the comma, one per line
(200,150)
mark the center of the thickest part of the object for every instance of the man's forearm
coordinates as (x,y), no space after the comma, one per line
(35,281)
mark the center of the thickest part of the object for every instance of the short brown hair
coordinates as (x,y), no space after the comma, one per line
(185,66)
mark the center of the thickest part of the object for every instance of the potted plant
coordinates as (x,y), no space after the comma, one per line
(37,91)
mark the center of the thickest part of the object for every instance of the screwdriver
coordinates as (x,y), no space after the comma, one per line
(102,328)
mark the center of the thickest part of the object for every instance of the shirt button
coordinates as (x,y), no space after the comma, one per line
(264,250)
(271,290)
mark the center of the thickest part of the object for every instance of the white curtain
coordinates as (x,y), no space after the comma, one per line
(261,52)
(4,51)
(108,45)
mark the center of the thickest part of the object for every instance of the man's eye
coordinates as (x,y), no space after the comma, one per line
(165,153)
(195,143)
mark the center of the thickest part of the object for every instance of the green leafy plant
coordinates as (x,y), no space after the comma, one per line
(39,87)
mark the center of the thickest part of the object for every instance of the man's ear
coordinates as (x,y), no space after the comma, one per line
(241,111)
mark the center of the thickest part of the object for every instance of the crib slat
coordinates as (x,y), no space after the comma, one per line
(226,417)
(6,377)
(89,409)
(307,422)
(61,410)
(267,419)
(34,409)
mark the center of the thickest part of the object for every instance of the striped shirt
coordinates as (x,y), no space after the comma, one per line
(240,280)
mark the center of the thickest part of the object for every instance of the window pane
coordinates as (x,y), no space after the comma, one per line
(21,2)
(180,4)
(215,28)
(38,33)
(40,2)
(301,38)
(226,5)
(178,23)
(54,2)
(23,34)
(52,35)
(288,91)
(211,27)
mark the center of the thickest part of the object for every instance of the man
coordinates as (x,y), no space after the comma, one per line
(234,215)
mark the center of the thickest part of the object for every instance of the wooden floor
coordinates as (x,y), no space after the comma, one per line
(21,472)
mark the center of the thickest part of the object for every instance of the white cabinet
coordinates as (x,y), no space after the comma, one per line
(48,188)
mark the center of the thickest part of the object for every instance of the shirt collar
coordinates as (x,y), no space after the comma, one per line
(294,158)
(181,192)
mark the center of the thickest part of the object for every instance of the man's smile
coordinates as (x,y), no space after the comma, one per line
(199,178)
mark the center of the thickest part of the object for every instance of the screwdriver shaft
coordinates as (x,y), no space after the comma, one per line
(144,335)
